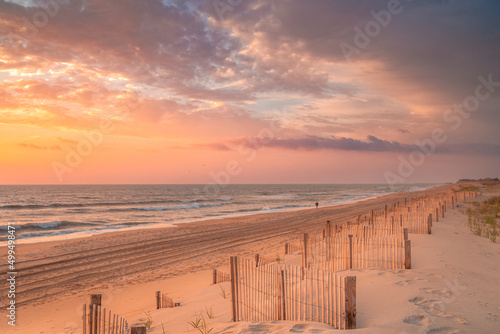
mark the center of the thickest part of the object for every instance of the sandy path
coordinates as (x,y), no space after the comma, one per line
(57,269)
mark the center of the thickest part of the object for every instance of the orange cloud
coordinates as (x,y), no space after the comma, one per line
(38,147)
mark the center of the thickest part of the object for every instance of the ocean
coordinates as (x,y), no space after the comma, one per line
(55,212)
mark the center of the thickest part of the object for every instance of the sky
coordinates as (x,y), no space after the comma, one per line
(249,91)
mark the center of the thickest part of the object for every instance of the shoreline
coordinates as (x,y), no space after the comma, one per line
(61,236)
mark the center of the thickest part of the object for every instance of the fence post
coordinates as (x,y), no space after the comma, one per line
(91,322)
(287,248)
(350,302)
(233,287)
(257,257)
(429,223)
(305,238)
(215,276)
(453,202)
(350,251)
(442,211)
(283,297)
(407,254)
(158,299)
(138,329)
(437,215)
(405,233)
(95,299)
(84,319)
(328,228)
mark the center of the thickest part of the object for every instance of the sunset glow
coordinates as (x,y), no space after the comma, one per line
(172,91)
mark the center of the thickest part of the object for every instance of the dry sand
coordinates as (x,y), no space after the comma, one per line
(452,288)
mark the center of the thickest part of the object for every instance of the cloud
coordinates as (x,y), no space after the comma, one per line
(186,74)
(428,57)
(39,147)
(370,144)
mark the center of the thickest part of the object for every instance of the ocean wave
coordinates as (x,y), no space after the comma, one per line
(177,207)
(18,206)
(79,205)
(225,199)
(47,225)
(267,197)
(64,232)
(189,201)
(285,207)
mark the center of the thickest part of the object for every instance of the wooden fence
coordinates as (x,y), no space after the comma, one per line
(261,260)
(414,213)
(292,248)
(363,230)
(341,253)
(102,321)
(163,301)
(219,277)
(283,292)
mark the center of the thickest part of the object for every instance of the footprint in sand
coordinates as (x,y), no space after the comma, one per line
(259,328)
(446,293)
(418,320)
(409,281)
(425,303)
(417,300)
(482,303)
(402,272)
(443,330)
(299,328)
(403,283)
(434,307)
(393,272)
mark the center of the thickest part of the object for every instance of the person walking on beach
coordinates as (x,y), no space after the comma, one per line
(317,205)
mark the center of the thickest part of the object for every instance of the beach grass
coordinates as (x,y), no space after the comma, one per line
(483,218)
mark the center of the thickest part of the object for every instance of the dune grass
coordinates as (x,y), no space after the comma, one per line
(467,188)
(484,218)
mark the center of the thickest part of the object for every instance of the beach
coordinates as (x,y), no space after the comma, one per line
(451,268)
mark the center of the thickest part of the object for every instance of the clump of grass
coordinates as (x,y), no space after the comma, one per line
(196,323)
(483,218)
(200,324)
(279,258)
(149,320)
(209,312)
(223,292)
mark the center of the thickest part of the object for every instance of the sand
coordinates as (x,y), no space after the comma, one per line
(451,288)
